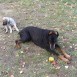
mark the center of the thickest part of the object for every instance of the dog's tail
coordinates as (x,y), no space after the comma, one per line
(16,28)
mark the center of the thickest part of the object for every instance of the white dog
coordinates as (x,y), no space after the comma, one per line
(9,23)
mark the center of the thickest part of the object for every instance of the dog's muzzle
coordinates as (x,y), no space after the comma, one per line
(52,46)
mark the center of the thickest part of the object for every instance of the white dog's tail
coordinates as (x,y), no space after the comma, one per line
(16,28)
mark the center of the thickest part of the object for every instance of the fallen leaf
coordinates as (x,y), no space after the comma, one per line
(57,67)
(4,72)
(66,67)
(70,46)
(12,76)
(21,71)
(17,55)
(47,76)
(22,52)
(23,64)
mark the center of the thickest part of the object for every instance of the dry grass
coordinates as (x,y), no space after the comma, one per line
(59,15)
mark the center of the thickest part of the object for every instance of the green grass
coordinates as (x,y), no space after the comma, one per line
(8,1)
(59,15)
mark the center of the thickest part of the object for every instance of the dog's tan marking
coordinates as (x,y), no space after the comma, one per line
(64,53)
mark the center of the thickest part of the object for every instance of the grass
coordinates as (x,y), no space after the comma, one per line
(7,1)
(59,15)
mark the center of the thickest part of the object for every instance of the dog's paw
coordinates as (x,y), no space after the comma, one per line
(68,62)
(10,32)
(6,32)
(68,57)
(64,59)
(18,47)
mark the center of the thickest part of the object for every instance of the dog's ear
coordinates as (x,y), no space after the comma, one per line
(50,33)
(56,32)
(4,22)
(53,32)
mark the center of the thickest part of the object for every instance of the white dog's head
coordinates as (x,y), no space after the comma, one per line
(4,21)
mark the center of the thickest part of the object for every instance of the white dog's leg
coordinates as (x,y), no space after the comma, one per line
(16,28)
(10,29)
(6,29)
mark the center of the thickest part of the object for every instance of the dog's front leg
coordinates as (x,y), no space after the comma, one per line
(63,52)
(59,56)
(6,29)
(63,58)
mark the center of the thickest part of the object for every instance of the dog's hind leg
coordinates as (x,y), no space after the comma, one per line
(23,39)
(18,43)
(10,29)
(16,28)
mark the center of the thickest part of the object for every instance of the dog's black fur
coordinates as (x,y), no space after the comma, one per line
(44,38)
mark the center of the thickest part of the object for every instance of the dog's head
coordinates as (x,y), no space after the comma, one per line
(52,37)
(4,22)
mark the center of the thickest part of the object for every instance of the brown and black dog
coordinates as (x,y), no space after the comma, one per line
(44,38)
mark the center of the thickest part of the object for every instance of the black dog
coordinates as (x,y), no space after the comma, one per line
(44,38)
